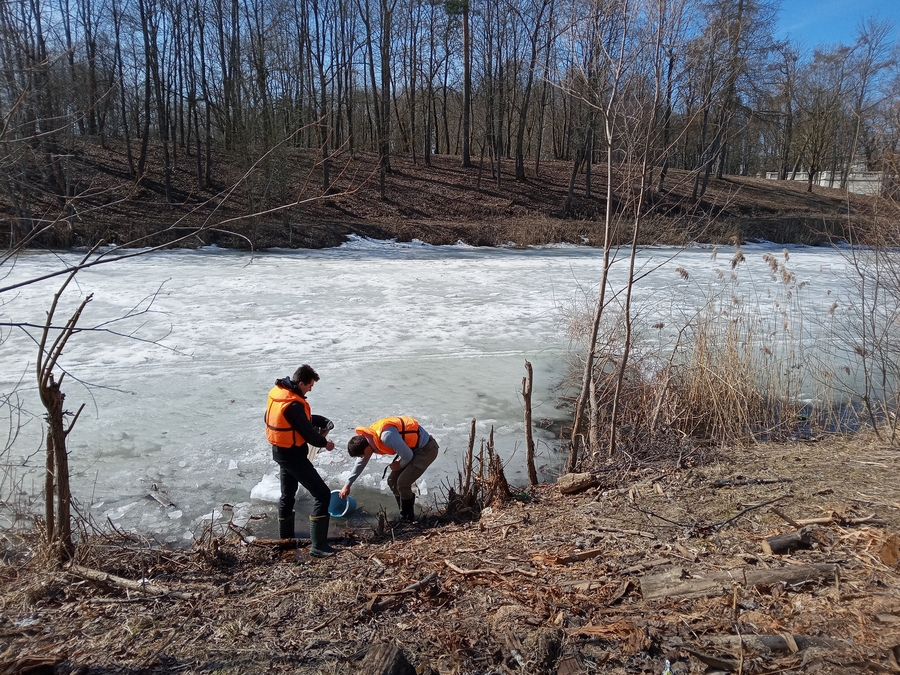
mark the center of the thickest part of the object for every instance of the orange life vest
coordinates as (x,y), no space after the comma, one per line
(407,426)
(278,430)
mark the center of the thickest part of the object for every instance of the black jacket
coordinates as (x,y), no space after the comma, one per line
(295,414)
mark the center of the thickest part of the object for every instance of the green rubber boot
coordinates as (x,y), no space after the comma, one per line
(286,527)
(318,534)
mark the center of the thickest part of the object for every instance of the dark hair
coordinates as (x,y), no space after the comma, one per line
(356,446)
(304,374)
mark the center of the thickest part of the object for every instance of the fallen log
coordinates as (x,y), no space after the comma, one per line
(145,587)
(673,584)
(774,643)
(385,659)
(280,543)
(735,482)
(789,541)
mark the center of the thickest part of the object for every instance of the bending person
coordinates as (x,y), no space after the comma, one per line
(414,448)
(290,431)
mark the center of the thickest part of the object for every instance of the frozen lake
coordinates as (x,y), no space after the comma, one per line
(438,333)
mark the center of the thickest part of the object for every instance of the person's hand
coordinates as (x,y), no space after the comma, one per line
(344,492)
(329,446)
(395,465)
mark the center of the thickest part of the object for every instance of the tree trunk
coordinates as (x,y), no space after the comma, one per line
(467,87)
(529,437)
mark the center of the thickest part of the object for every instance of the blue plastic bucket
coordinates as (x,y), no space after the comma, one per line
(341,508)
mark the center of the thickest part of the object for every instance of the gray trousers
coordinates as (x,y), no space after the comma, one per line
(401,481)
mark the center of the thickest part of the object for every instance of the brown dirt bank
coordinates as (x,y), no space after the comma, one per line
(280,203)
(562,584)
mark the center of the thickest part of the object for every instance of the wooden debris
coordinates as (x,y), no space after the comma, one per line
(548,647)
(673,584)
(571,483)
(890,550)
(570,665)
(649,564)
(516,650)
(619,530)
(789,541)
(786,518)
(567,559)
(31,665)
(583,585)
(618,630)
(620,593)
(385,659)
(459,570)
(388,599)
(712,660)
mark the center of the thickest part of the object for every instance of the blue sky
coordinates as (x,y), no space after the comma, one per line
(830,21)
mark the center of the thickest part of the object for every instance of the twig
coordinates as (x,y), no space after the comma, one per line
(827,520)
(733,482)
(319,626)
(382,601)
(718,526)
(412,588)
(618,530)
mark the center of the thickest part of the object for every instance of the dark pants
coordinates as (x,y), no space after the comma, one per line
(401,481)
(296,469)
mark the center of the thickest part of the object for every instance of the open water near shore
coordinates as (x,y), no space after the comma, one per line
(174,392)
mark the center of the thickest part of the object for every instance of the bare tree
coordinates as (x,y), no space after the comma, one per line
(821,93)
(872,56)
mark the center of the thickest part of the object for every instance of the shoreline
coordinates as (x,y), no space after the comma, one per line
(561,580)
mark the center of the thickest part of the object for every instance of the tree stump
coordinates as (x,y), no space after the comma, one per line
(548,645)
(385,659)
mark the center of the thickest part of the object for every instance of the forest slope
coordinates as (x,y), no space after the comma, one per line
(280,202)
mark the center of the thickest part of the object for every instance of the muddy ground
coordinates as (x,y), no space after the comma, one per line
(655,563)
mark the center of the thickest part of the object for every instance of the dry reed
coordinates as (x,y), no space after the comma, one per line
(751,360)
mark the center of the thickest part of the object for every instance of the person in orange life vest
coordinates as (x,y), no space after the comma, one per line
(404,438)
(290,431)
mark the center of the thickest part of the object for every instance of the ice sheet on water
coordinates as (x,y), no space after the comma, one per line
(439,333)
